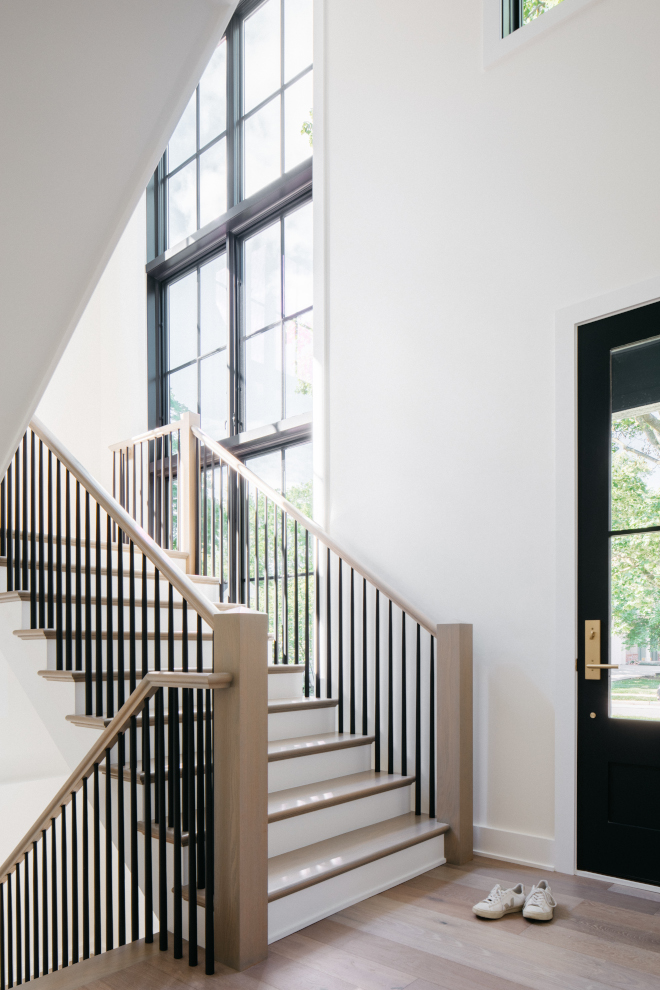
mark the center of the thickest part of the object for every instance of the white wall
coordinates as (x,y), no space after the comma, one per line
(462,209)
(98,394)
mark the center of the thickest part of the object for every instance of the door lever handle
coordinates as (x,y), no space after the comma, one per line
(602,666)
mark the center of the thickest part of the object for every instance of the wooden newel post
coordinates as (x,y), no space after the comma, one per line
(454,735)
(240,759)
(187,489)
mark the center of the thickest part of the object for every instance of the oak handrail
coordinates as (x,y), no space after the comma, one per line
(199,602)
(315,530)
(159,431)
(148,686)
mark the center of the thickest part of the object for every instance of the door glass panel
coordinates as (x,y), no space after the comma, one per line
(635,556)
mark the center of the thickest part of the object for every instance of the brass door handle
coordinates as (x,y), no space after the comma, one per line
(602,666)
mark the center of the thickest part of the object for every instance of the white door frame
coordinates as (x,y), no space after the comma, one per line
(567,321)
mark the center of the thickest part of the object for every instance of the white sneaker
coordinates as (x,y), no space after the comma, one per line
(539,903)
(500,902)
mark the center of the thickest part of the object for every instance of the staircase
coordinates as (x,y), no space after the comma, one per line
(105,618)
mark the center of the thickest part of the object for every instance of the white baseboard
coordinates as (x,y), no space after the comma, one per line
(514,847)
(290,914)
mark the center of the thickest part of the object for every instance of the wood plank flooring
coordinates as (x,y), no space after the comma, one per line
(422,935)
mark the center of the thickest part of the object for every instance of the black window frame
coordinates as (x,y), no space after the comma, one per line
(227,232)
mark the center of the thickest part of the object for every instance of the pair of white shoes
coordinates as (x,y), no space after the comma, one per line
(538,905)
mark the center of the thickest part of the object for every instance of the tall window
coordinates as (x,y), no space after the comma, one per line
(515,13)
(230,227)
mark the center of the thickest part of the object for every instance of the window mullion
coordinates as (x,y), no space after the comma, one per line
(234,390)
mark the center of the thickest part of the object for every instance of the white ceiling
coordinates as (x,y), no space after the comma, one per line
(90,92)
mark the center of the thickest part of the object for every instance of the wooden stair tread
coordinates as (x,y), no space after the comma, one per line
(114,771)
(24,596)
(313,864)
(31,634)
(78,676)
(201,895)
(169,833)
(326,742)
(286,668)
(102,721)
(327,793)
(301,704)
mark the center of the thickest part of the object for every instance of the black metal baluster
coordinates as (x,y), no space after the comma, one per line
(135,916)
(121,869)
(185,823)
(431,733)
(204,512)
(53,897)
(208,798)
(85,870)
(42,572)
(352,667)
(317,606)
(307,656)
(97,864)
(222,535)
(418,725)
(187,697)
(25,514)
(340,669)
(26,910)
(201,868)
(121,672)
(257,574)
(17,521)
(285,588)
(59,642)
(404,700)
(144,623)
(33,560)
(79,651)
(276,588)
(156,619)
(175,776)
(173,715)
(3,961)
(75,928)
(160,814)
(296,636)
(377,686)
(213,514)
(10,934)
(51,585)
(67,575)
(35,911)
(3,521)
(19,928)
(109,639)
(63,880)
(328,632)
(132,674)
(148,874)
(109,933)
(390,696)
(88,610)
(99,618)
(44,901)
(266,563)
(365,718)
(10,534)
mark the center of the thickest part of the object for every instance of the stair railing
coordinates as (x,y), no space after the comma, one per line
(103,609)
(63,890)
(397,675)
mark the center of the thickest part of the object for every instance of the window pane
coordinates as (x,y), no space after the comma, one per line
(268,467)
(532,8)
(214,413)
(183,392)
(298,104)
(263,279)
(213,304)
(262,147)
(183,142)
(182,204)
(298,260)
(263,378)
(298,36)
(298,476)
(182,319)
(212,96)
(213,183)
(299,355)
(262,54)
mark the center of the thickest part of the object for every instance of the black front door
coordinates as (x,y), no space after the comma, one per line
(618,797)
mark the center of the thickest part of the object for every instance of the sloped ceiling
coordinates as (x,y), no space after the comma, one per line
(90,92)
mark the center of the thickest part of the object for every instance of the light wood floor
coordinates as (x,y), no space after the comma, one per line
(422,935)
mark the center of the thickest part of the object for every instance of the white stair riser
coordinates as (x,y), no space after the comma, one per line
(303,830)
(291,725)
(316,767)
(290,914)
(285,687)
